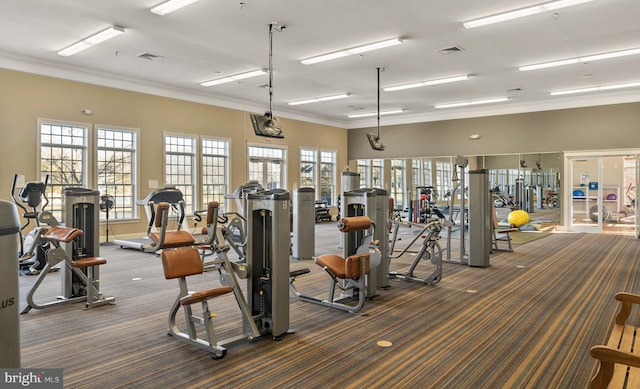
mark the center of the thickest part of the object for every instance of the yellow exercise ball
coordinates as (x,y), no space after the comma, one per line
(518,218)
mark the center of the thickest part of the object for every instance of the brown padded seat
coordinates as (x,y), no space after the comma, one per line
(91,261)
(204,295)
(62,234)
(341,268)
(173,239)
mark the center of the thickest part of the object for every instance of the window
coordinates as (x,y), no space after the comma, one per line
(116,160)
(267,166)
(427,173)
(364,169)
(180,166)
(327,176)
(63,158)
(443,177)
(377,173)
(398,182)
(308,162)
(215,170)
(416,173)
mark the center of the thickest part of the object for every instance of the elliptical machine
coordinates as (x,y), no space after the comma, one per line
(32,199)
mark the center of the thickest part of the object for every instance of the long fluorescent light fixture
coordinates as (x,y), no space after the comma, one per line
(522,12)
(353,50)
(426,83)
(364,115)
(320,99)
(596,88)
(475,102)
(170,6)
(235,77)
(91,41)
(588,58)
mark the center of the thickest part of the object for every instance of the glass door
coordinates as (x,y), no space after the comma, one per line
(585,196)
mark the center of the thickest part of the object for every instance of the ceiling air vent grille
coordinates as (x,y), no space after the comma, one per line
(451,50)
(150,57)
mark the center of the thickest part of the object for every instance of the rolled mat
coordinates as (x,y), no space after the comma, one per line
(355,223)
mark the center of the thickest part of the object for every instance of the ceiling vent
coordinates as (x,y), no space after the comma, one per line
(150,57)
(451,50)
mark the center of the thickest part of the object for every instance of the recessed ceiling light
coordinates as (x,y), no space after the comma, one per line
(426,83)
(235,77)
(91,41)
(351,51)
(170,6)
(320,99)
(522,12)
(362,115)
(474,102)
(596,88)
(585,59)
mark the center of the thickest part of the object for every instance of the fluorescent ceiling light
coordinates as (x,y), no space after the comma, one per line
(170,6)
(235,77)
(320,99)
(351,51)
(425,83)
(91,41)
(363,115)
(522,12)
(596,88)
(475,102)
(588,58)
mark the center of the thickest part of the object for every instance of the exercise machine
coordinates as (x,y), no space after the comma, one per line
(83,270)
(459,187)
(350,273)
(268,247)
(304,223)
(373,203)
(32,200)
(9,288)
(168,194)
(430,249)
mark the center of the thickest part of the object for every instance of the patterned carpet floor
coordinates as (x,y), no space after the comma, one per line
(527,321)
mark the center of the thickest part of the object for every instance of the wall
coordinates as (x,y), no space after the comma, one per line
(591,128)
(26,97)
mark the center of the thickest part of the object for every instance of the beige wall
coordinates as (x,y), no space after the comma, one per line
(26,97)
(592,128)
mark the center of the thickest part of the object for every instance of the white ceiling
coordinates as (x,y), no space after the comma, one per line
(214,38)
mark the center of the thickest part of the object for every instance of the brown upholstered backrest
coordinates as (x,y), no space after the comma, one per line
(160,210)
(211,211)
(181,263)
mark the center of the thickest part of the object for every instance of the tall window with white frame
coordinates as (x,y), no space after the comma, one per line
(398,179)
(215,170)
(427,173)
(377,173)
(63,158)
(116,163)
(443,177)
(308,167)
(416,173)
(328,176)
(267,166)
(180,166)
(364,169)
